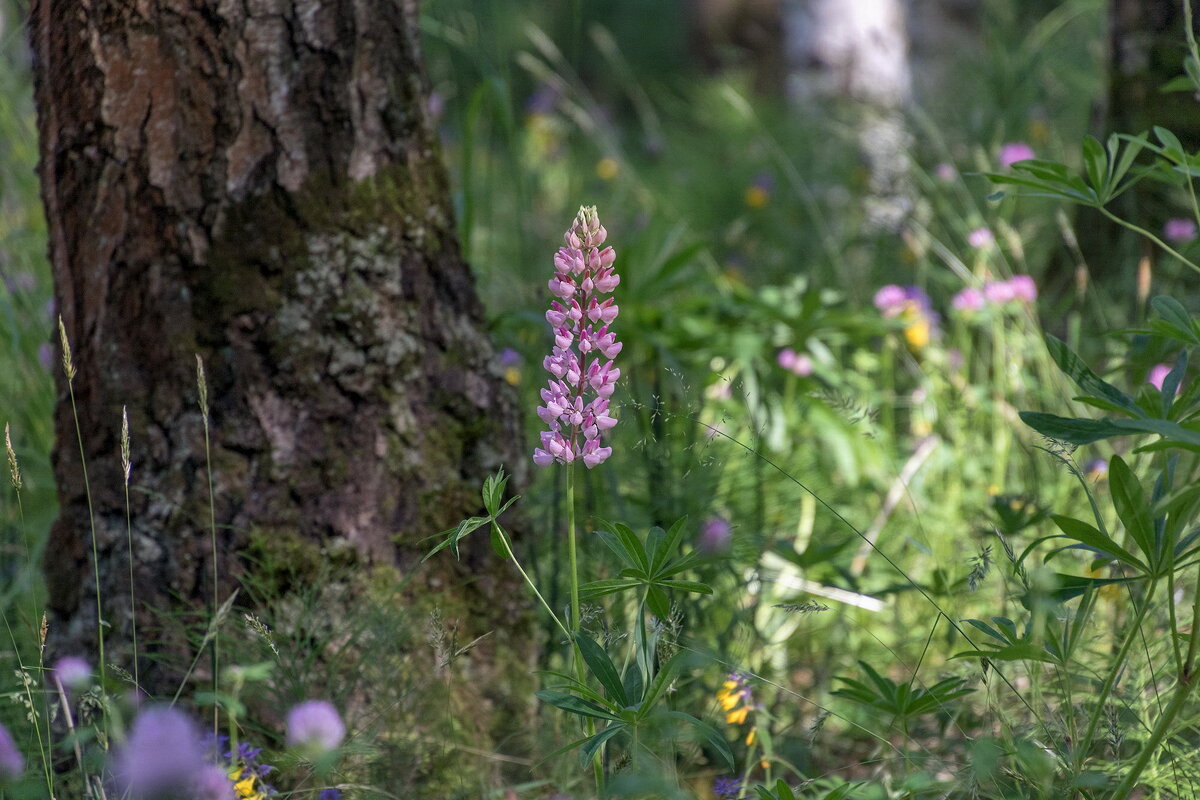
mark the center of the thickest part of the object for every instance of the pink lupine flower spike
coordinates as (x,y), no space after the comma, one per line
(580,363)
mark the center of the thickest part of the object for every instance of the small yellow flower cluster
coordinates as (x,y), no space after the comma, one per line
(245,787)
(735,698)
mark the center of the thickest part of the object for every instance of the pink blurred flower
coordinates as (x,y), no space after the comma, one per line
(968,301)
(1158,374)
(1012,152)
(1023,288)
(945,172)
(315,724)
(1179,230)
(890,300)
(999,292)
(798,363)
(980,238)
(715,535)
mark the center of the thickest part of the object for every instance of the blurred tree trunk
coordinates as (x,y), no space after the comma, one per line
(1147,46)
(859,51)
(257,183)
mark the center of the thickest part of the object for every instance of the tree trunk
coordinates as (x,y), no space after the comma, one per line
(859,51)
(257,183)
(1147,46)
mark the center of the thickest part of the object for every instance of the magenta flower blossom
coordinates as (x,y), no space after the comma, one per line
(12,764)
(980,238)
(1023,288)
(163,756)
(890,300)
(1179,230)
(1158,374)
(999,292)
(715,535)
(968,301)
(945,172)
(315,724)
(798,363)
(72,672)
(576,410)
(1012,152)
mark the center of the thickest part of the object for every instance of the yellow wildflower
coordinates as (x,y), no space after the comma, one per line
(607,169)
(757,197)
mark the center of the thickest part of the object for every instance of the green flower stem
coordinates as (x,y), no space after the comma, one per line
(1183,691)
(528,581)
(1142,231)
(576,655)
(1110,680)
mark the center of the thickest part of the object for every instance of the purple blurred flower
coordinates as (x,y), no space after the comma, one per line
(945,172)
(1096,469)
(213,784)
(12,764)
(21,282)
(999,292)
(968,301)
(544,100)
(980,238)
(1012,152)
(72,672)
(1158,374)
(715,535)
(315,724)
(331,793)
(1023,288)
(46,356)
(583,272)
(164,755)
(727,787)
(1179,230)
(509,357)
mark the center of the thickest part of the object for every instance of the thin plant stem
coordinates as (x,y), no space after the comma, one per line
(202,385)
(137,684)
(528,581)
(92,519)
(1143,232)
(1111,678)
(44,748)
(576,655)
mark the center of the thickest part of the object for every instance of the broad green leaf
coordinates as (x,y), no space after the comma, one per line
(659,685)
(602,667)
(633,684)
(687,586)
(1172,312)
(1132,507)
(574,705)
(667,545)
(1089,535)
(593,744)
(590,591)
(656,601)
(1020,651)
(1073,430)
(1085,379)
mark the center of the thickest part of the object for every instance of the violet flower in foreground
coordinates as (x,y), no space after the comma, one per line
(581,362)
(163,756)
(315,724)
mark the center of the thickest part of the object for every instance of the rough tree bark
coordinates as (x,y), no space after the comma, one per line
(257,183)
